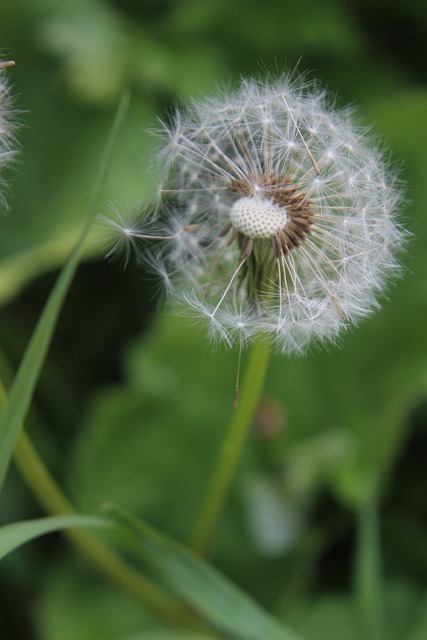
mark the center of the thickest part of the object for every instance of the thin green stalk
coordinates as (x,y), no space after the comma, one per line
(28,373)
(230,453)
(368,584)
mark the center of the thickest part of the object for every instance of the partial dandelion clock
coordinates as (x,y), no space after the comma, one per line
(276,215)
(7,152)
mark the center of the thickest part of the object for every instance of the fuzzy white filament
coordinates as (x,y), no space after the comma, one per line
(276,214)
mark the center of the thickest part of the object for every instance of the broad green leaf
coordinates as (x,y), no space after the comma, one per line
(199,585)
(14,535)
(150,443)
(73,602)
(43,224)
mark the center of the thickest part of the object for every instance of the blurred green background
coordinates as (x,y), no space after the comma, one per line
(132,404)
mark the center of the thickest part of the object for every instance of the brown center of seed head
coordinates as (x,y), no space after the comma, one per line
(279,190)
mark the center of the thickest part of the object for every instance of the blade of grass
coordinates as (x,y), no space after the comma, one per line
(28,373)
(13,536)
(199,585)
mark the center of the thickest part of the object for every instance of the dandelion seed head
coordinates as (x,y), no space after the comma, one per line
(277,216)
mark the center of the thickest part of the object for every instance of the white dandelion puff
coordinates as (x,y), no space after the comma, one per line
(277,214)
(7,129)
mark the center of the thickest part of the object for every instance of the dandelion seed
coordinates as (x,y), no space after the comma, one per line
(277,216)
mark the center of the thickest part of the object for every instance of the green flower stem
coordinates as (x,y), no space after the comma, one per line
(368,585)
(232,447)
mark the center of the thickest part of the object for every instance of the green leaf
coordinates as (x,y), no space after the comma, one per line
(198,584)
(14,535)
(45,222)
(149,443)
(73,602)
